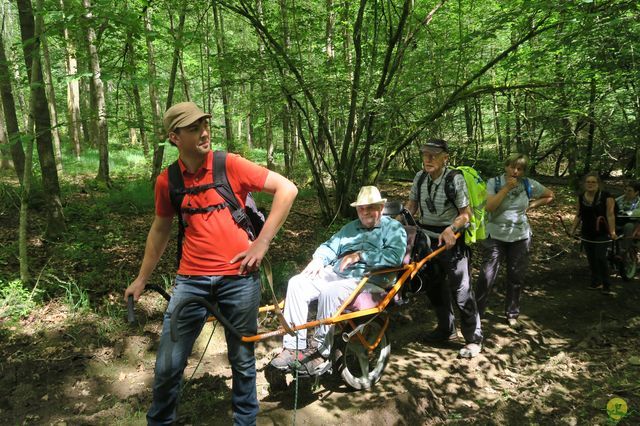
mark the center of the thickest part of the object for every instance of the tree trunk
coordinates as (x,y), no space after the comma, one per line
(159,133)
(159,152)
(136,96)
(287,134)
(100,99)
(50,90)
(508,137)
(224,83)
(592,126)
(10,116)
(73,88)
(185,81)
(252,106)
(89,128)
(468,123)
(23,237)
(55,218)
(496,121)
(5,153)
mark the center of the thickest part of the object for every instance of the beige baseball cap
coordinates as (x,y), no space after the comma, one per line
(181,115)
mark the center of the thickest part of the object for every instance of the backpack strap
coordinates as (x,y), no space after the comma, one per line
(176,195)
(525,181)
(527,187)
(497,184)
(450,186)
(223,187)
(423,176)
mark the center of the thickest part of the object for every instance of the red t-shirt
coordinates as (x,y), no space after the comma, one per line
(211,239)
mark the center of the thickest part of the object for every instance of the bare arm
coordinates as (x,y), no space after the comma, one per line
(546,197)
(447,237)
(494,200)
(576,219)
(156,244)
(611,217)
(284,193)
(412,207)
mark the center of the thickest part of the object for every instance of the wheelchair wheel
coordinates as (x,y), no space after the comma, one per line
(629,264)
(359,368)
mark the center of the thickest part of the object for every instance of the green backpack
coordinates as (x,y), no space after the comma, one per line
(477,190)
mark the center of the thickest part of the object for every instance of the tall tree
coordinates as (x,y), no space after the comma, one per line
(74,118)
(49,87)
(31,49)
(224,81)
(158,131)
(10,116)
(99,98)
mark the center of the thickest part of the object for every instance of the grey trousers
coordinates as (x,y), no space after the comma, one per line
(456,289)
(516,254)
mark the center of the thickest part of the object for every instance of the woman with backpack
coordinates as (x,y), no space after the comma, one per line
(509,197)
(596,212)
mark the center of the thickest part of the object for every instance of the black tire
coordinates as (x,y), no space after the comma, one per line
(358,368)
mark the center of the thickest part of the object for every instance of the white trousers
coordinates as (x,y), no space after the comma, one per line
(331,290)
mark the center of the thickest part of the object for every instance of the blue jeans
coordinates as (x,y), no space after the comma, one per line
(238,298)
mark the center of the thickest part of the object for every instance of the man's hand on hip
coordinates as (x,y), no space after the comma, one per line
(251,257)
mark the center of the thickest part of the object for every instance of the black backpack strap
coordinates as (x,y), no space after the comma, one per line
(423,176)
(527,187)
(450,186)
(176,195)
(222,185)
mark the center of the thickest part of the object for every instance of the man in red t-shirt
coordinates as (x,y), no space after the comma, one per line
(218,262)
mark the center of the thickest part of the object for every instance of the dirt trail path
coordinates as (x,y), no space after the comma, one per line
(576,350)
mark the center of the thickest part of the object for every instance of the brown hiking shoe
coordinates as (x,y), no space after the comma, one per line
(285,358)
(314,364)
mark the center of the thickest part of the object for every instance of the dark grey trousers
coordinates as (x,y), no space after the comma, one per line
(456,289)
(598,262)
(516,255)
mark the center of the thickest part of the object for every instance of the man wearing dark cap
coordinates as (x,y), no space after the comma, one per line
(218,262)
(440,196)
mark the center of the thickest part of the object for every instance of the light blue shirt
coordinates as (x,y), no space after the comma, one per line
(509,221)
(381,246)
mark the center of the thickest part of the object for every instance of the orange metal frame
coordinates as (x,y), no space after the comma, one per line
(410,271)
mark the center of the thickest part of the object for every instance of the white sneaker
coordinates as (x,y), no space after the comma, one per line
(470,350)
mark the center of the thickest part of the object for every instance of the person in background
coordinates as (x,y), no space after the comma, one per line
(629,213)
(509,198)
(595,211)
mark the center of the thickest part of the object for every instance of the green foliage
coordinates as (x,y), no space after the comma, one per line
(16,300)
(75,296)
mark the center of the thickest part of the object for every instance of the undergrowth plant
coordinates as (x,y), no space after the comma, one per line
(16,300)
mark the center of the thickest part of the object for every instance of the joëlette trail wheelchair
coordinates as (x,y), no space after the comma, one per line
(361,348)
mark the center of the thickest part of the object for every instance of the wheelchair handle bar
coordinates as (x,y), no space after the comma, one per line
(131,314)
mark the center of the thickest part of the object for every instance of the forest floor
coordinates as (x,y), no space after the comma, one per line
(576,350)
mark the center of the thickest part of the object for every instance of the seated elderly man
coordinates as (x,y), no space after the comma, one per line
(370,242)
